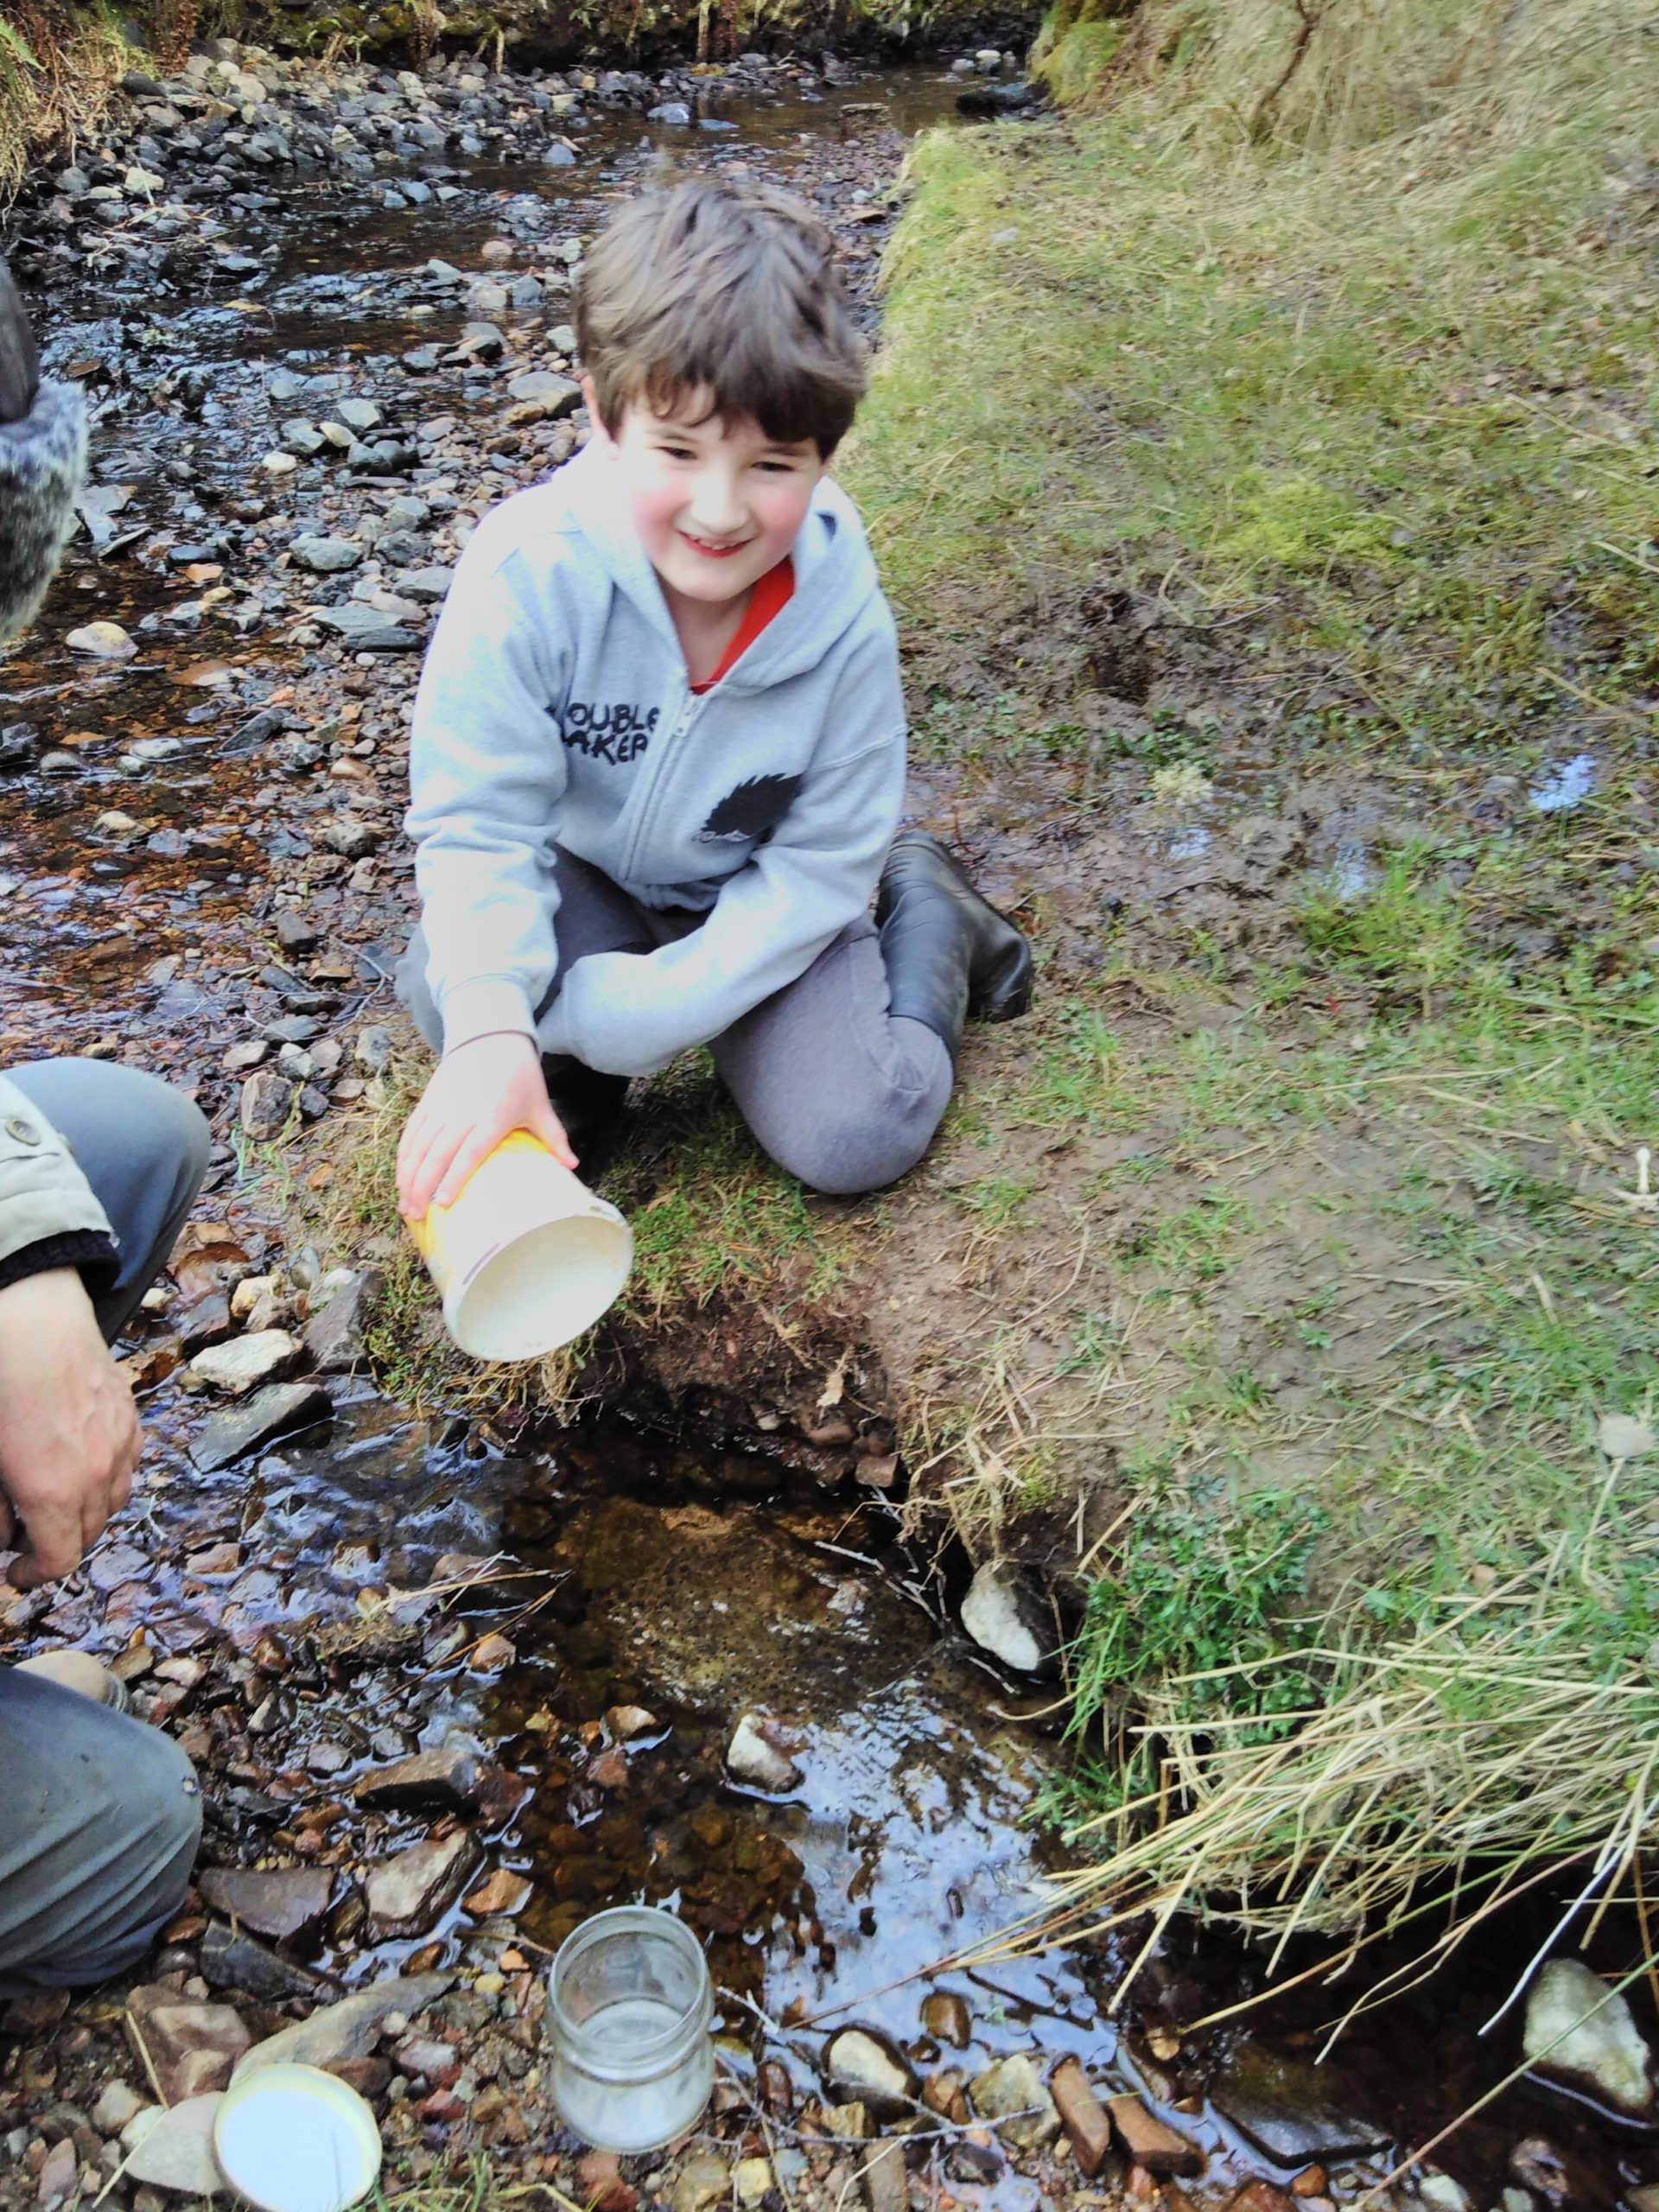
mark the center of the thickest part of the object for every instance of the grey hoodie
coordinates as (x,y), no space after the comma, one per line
(555,709)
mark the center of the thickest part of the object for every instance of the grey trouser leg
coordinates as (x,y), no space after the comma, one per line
(143,1146)
(99,1820)
(99,1816)
(836,1091)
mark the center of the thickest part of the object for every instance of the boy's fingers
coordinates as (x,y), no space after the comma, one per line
(550,1131)
(477,1146)
(421,1179)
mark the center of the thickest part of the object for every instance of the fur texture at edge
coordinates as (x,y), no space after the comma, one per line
(41,462)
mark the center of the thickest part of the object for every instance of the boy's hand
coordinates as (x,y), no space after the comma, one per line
(480,1092)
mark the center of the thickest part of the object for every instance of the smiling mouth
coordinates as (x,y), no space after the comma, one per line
(713,552)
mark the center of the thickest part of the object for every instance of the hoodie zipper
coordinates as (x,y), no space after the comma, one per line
(683,720)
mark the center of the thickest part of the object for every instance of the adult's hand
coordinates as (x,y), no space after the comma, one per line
(479,1094)
(20,367)
(69,1434)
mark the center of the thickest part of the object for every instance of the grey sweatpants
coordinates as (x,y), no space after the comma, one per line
(99,1816)
(837,1090)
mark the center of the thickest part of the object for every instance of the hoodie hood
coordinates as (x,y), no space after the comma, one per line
(834,575)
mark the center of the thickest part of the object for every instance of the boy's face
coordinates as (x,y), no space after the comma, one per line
(714,503)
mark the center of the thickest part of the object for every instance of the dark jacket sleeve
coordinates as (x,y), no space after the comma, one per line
(41,461)
(48,1215)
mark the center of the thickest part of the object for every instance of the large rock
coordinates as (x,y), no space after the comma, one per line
(406,1894)
(750,1757)
(348,2029)
(1146,2139)
(1014,2091)
(555,394)
(190,2048)
(101,641)
(228,1959)
(326,557)
(334,1335)
(346,836)
(1082,2115)
(242,1363)
(446,1777)
(267,1099)
(1286,2109)
(1005,1616)
(1581,2033)
(271,1412)
(285,1904)
(177,2151)
(886,2184)
(861,2066)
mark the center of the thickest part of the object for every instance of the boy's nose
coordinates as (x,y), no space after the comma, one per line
(716,510)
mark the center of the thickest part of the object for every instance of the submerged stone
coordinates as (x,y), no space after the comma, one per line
(1285,2108)
(1005,1616)
(863,2067)
(1579,2031)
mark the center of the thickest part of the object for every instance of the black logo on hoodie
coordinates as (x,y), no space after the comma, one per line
(752,812)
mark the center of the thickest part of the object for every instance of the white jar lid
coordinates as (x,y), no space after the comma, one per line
(293,2139)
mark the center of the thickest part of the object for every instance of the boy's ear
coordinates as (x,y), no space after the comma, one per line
(590,401)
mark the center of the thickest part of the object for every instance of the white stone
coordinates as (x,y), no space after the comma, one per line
(1000,1615)
(858,2066)
(1444,2194)
(750,1757)
(177,2149)
(118,2103)
(1577,2029)
(102,640)
(1622,1437)
(244,1362)
(114,824)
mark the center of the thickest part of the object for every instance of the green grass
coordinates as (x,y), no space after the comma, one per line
(713,1223)
(1397,397)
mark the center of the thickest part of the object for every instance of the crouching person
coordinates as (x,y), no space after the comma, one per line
(99,1816)
(658,756)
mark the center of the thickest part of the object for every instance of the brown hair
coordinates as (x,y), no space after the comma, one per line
(728,289)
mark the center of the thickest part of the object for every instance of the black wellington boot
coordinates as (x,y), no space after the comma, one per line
(949,953)
(592,1108)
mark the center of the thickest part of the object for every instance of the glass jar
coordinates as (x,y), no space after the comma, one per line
(630,2007)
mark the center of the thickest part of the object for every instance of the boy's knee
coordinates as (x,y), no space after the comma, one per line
(842,1156)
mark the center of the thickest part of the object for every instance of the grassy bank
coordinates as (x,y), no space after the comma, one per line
(1318,373)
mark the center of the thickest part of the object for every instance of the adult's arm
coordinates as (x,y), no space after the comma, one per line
(42,459)
(68,1434)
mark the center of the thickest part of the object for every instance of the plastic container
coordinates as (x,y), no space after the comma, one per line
(293,2139)
(629,2016)
(527,1257)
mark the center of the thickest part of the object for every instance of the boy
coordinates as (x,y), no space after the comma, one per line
(658,748)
